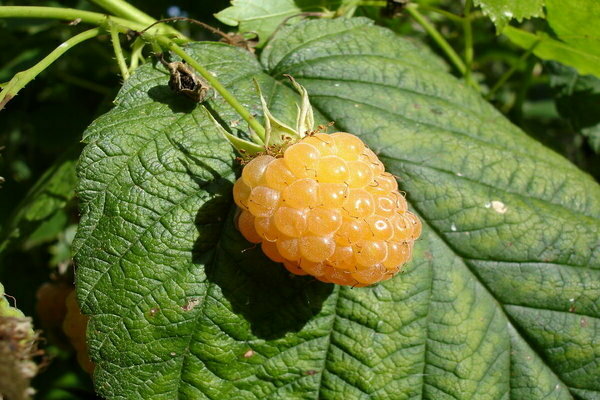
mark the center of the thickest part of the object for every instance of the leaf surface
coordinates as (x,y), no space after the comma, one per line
(264,17)
(501,300)
(502,11)
(577,99)
(576,23)
(41,214)
(547,48)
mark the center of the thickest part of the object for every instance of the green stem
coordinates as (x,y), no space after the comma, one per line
(447,14)
(523,89)
(88,17)
(229,98)
(125,10)
(437,37)
(123,25)
(136,54)
(468,29)
(71,14)
(116,43)
(83,83)
(24,77)
(506,76)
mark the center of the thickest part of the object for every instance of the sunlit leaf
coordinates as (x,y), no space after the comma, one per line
(501,300)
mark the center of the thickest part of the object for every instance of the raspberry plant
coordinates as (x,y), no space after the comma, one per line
(499,301)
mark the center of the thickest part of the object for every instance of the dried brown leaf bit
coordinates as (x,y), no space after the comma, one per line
(18,347)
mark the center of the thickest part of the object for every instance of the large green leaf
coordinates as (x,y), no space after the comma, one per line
(501,300)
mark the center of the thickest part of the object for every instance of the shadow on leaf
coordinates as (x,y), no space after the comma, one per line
(271,299)
(264,293)
(177,103)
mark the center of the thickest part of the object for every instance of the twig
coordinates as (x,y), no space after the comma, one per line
(506,76)
(437,38)
(114,35)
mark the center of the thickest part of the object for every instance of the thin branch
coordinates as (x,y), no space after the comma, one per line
(214,82)
(507,75)
(468,30)
(437,38)
(22,78)
(136,54)
(194,21)
(65,14)
(116,43)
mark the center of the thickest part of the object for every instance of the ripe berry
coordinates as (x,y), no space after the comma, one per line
(327,208)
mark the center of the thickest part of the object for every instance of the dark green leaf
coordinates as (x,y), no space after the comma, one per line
(501,300)
(577,100)
(41,215)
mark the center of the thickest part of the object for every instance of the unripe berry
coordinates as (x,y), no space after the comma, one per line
(327,208)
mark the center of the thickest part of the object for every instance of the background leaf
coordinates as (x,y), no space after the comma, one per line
(502,11)
(547,48)
(577,99)
(264,17)
(42,214)
(501,300)
(571,23)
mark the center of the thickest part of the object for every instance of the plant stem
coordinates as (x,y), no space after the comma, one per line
(468,29)
(523,89)
(125,10)
(24,77)
(447,14)
(229,98)
(83,83)
(116,43)
(136,54)
(371,3)
(437,37)
(506,76)
(68,14)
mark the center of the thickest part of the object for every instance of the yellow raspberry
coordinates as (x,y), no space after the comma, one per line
(327,208)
